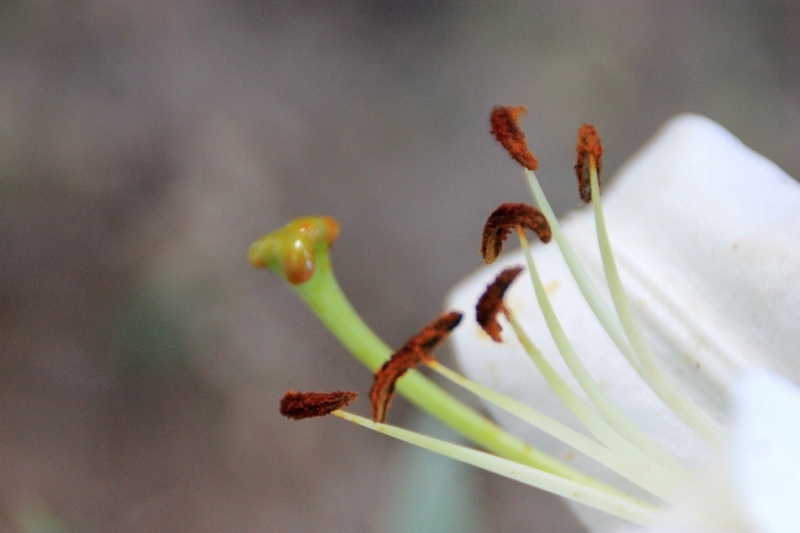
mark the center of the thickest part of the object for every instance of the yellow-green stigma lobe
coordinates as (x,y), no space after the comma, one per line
(289,251)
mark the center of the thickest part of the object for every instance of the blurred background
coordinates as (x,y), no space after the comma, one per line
(145,144)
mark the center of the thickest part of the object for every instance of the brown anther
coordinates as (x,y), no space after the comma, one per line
(503,220)
(300,405)
(589,151)
(491,302)
(505,128)
(417,350)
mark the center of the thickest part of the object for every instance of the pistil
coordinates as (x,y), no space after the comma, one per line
(323,295)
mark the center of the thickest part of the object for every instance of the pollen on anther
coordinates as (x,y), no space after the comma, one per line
(589,150)
(491,302)
(507,217)
(505,128)
(300,405)
(417,350)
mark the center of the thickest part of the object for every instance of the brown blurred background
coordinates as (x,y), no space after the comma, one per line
(145,144)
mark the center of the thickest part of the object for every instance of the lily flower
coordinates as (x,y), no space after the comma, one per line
(706,237)
(613,396)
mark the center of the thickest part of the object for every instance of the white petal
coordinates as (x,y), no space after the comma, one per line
(707,237)
(754,487)
(712,229)
(766,451)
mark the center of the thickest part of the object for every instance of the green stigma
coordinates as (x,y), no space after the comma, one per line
(290,251)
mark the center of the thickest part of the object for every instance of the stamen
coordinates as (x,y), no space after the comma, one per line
(617,419)
(491,302)
(646,474)
(506,130)
(507,217)
(640,357)
(417,350)
(300,405)
(597,303)
(590,153)
(683,406)
(325,297)
(612,502)
(592,421)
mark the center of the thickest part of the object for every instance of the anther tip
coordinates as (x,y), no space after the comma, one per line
(418,349)
(507,217)
(300,405)
(491,302)
(590,152)
(505,128)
